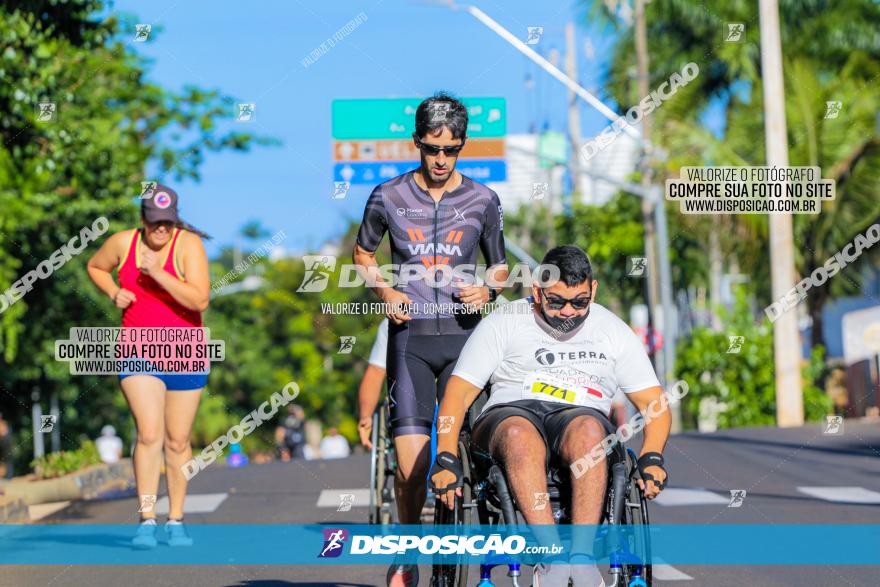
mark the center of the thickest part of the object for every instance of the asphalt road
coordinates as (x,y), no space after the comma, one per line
(779,470)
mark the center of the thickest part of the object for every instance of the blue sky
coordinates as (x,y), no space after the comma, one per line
(253,52)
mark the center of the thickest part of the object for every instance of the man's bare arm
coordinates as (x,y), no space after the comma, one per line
(655,408)
(396,301)
(368,267)
(457,398)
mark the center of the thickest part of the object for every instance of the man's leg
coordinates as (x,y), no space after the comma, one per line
(521,449)
(588,490)
(588,494)
(412,389)
(518,445)
(413,456)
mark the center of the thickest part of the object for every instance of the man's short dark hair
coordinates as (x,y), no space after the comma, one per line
(441,110)
(573,263)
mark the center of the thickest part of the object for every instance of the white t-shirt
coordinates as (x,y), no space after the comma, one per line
(334,447)
(515,351)
(109,448)
(379,351)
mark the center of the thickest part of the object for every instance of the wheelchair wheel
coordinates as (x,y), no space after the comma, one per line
(381,470)
(636,515)
(455,575)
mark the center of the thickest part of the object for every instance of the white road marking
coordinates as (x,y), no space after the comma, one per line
(664,572)
(675,496)
(204,503)
(332,498)
(842,494)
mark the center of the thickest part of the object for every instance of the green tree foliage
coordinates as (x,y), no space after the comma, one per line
(743,381)
(58,176)
(61,463)
(614,232)
(277,334)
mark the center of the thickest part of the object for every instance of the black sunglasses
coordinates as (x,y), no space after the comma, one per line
(557,302)
(435,149)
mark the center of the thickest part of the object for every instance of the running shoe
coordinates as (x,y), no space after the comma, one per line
(145,537)
(551,574)
(402,576)
(585,572)
(177,535)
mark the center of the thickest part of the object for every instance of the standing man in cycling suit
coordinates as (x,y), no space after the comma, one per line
(554,361)
(437,219)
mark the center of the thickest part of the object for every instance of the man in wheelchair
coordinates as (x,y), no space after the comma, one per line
(553,362)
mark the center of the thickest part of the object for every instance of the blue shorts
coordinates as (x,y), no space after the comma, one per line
(173,381)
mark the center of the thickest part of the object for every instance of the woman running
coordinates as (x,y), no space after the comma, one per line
(163,282)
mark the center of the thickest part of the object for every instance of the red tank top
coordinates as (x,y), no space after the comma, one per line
(154,305)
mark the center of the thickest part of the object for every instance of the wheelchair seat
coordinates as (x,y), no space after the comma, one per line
(490,476)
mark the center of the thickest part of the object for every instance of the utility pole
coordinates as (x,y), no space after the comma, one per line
(36,421)
(574,117)
(56,416)
(786,339)
(647,174)
(663,360)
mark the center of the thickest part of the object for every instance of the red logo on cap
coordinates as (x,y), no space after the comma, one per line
(162,200)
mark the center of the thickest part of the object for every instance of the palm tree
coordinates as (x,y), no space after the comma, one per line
(832,52)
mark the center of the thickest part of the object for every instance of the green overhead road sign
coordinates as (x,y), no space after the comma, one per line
(394,118)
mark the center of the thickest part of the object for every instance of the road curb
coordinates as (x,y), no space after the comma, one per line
(90,483)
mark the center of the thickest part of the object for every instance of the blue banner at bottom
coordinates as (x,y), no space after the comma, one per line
(269,544)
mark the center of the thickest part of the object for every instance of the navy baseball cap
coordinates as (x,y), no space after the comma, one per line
(162,206)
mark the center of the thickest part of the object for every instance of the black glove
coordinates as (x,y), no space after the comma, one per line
(446,461)
(652,459)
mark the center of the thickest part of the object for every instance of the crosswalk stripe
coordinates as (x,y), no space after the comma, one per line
(676,496)
(200,503)
(333,498)
(664,572)
(842,494)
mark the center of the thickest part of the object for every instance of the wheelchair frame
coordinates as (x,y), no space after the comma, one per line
(383,466)
(486,491)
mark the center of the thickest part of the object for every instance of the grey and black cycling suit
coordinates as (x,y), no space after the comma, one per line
(422,352)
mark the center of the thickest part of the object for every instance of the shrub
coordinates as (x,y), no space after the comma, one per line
(57,464)
(743,381)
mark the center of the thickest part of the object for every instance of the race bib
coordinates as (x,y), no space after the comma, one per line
(546,387)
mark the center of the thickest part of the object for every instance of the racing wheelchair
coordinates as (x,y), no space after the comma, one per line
(488,500)
(383,466)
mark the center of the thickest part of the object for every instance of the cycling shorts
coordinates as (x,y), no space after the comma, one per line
(419,367)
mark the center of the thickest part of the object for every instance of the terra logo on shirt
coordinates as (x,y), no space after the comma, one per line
(548,357)
(545,357)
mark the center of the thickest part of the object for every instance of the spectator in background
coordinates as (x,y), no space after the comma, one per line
(334,445)
(5,449)
(290,438)
(109,445)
